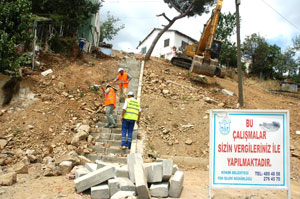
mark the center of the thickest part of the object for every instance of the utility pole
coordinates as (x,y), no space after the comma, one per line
(240,78)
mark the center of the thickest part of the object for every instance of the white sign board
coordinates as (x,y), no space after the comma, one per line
(249,149)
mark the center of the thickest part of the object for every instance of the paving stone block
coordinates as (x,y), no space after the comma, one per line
(167,168)
(141,182)
(101,164)
(132,159)
(153,171)
(114,186)
(81,172)
(100,192)
(122,172)
(159,190)
(93,178)
(124,194)
(126,184)
(91,166)
(176,184)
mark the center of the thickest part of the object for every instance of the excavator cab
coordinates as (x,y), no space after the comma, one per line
(216,49)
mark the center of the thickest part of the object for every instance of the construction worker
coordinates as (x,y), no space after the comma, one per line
(131,113)
(123,79)
(110,105)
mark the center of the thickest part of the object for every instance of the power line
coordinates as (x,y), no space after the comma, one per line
(291,23)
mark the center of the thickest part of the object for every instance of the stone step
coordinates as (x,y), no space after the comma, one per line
(108,158)
(101,125)
(110,142)
(106,136)
(112,149)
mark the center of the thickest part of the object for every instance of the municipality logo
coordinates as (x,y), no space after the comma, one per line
(224,127)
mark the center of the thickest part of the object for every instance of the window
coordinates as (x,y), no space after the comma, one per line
(166,42)
(184,44)
(144,50)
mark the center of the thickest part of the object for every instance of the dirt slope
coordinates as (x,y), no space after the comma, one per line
(174,110)
(175,115)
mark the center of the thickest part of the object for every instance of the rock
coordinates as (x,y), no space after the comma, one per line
(8,179)
(3,143)
(65,167)
(165,91)
(188,141)
(61,85)
(47,72)
(30,127)
(52,170)
(84,128)
(210,101)
(75,141)
(20,168)
(69,157)
(32,158)
(45,97)
(221,105)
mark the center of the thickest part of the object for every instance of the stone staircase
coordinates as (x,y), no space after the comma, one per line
(108,140)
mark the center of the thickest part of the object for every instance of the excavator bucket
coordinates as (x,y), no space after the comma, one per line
(209,68)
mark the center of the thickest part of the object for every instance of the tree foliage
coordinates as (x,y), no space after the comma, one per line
(267,60)
(184,8)
(181,6)
(68,13)
(110,28)
(225,29)
(15,23)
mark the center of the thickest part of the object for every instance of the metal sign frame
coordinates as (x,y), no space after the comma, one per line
(285,151)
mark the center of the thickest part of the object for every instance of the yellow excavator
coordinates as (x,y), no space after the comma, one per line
(202,57)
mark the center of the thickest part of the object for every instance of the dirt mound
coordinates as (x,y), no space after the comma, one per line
(62,100)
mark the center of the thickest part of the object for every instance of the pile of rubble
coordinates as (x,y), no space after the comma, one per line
(106,180)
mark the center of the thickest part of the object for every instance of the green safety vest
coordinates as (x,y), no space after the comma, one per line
(132,110)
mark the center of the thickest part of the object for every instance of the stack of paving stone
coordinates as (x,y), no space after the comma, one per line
(105,180)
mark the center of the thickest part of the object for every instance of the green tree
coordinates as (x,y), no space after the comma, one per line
(256,49)
(69,14)
(226,26)
(286,64)
(15,23)
(184,8)
(225,29)
(267,60)
(110,28)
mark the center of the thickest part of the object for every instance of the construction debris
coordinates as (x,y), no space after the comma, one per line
(162,176)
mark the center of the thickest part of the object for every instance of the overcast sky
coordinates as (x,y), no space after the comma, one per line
(276,20)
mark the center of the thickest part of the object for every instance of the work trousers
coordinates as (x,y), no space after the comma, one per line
(109,111)
(123,94)
(127,126)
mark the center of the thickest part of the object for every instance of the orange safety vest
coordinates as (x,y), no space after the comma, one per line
(110,98)
(123,80)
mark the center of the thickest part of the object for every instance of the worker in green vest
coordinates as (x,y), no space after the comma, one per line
(131,113)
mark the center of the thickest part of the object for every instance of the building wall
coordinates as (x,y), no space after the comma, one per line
(175,40)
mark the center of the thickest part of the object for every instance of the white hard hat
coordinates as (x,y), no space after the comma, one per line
(130,93)
(121,69)
(108,85)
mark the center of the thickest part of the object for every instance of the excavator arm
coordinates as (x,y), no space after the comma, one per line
(209,32)
(200,57)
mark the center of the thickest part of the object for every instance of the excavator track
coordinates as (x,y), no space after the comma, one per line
(182,62)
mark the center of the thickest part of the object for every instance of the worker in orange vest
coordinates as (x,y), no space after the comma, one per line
(123,78)
(110,105)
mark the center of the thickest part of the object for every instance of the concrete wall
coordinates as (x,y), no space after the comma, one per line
(160,50)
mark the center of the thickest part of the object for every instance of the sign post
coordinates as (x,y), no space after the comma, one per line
(249,149)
